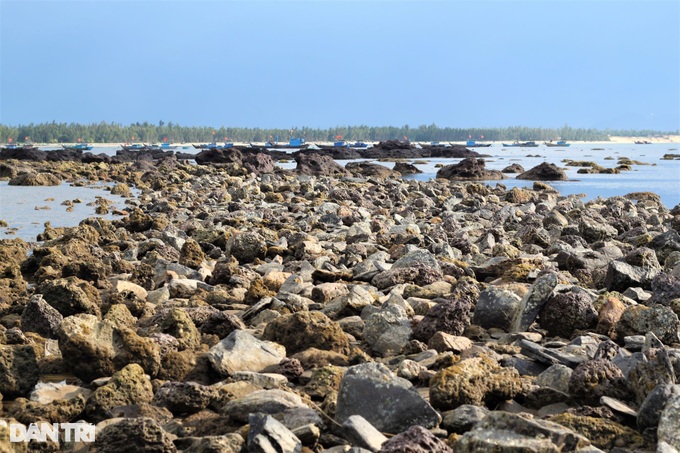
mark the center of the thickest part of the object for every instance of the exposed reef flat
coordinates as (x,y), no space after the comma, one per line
(234,307)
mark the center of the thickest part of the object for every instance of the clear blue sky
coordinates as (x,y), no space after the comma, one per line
(324,63)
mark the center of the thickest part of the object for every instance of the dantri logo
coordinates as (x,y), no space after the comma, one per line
(42,431)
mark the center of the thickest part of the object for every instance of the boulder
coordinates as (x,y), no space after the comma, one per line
(316,164)
(469,169)
(240,351)
(544,172)
(305,329)
(18,370)
(395,405)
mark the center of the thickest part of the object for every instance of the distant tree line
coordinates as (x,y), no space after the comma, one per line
(104,132)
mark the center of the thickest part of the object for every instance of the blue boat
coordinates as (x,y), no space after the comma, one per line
(561,143)
(341,144)
(474,144)
(359,145)
(78,147)
(162,147)
(296,142)
(214,145)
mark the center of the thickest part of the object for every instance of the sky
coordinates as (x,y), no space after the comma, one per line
(320,64)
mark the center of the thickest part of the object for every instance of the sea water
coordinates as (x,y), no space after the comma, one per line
(18,203)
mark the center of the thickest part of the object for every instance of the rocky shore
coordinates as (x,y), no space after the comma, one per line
(234,307)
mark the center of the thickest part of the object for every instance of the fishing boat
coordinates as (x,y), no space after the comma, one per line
(77,147)
(521,144)
(296,142)
(642,142)
(17,147)
(161,147)
(134,147)
(561,143)
(214,145)
(341,144)
(474,144)
(359,144)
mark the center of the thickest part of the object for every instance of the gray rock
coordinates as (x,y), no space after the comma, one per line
(496,308)
(362,434)
(564,313)
(667,431)
(40,317)
(183,397)
(533,301)
(650,410)
(463,418)
(550,356)
(134,435)
(262,401)
(388,330)
(227,443)
(556,377)
(394,404)
(241,351)
(640,319)
(620,276)
(268,435)
(506,432)
(245,247)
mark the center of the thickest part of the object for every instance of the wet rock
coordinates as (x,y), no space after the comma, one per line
(240,351)
(134,435)
(469,169)
(395,405)
(416,439)
(544,172)
(406,169)
(478,381)
(302,330)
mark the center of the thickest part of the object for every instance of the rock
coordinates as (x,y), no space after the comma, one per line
(416,439)
(621,276)
(70,296)
(268,435)
(227,443)
(315,164)
(35,179)
(478,381)
(565,313)
(86,344)
(221,324)
(451,314)
(544,172)
(506,432)
(40,317)
(362,434)
(651,408)
(603,433)
(270,402)
(184,397)
(533,302)
(134,435)
(667,431)
(639,319)
(191,254)
(556,376)
(406,169)
(246,247)
(463,418)
(258,163)
(302,330)
(496,308)
(18,370)
(395,405)
(513,168)
(240,351)
(469,169)
(388,330)
(594,379)
(129,386)
(442,342)
(370,169)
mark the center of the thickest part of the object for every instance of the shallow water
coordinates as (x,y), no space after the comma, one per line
(17,203)
(18,207)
